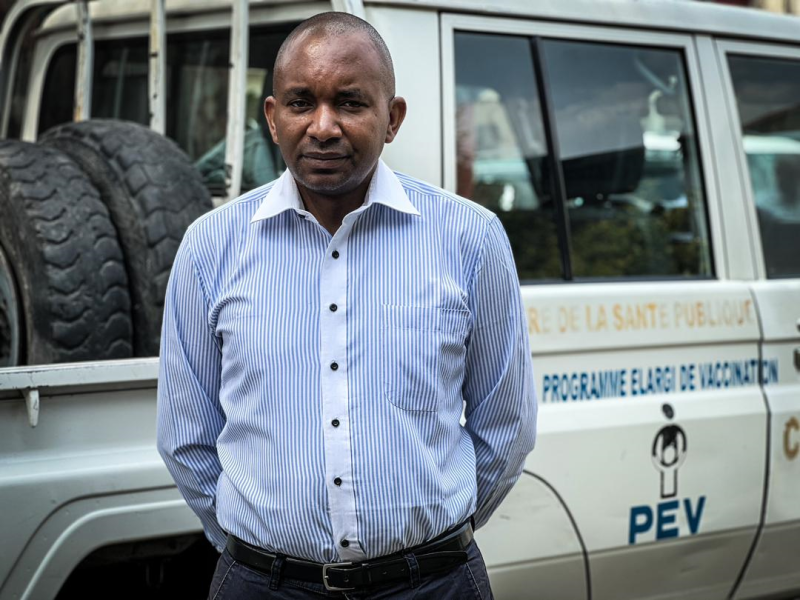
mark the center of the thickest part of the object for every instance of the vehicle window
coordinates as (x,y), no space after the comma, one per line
(58,96)
(119,83)
(501,147)
(119,87)
(262,161)
(768,98)
(629,156)
(197,96)
(624,193)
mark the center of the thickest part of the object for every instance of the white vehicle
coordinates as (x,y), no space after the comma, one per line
(644,158)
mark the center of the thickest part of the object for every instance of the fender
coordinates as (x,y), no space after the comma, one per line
(79,527)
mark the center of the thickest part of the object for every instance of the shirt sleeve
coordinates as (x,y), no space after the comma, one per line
(498,385)
(189,415)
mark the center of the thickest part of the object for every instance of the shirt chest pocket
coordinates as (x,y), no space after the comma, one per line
(423,354)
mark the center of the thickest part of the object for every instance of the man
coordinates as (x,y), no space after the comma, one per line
(321,336)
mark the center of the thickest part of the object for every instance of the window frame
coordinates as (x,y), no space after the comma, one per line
(683,43)
(46,48)
(724,49)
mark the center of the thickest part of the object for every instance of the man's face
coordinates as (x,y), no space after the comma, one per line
(331,113)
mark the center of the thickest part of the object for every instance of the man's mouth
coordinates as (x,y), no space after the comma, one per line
(323,160)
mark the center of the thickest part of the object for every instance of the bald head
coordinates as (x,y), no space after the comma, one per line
(333,107)
(336,25)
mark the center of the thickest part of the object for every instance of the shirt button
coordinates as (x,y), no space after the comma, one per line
(335,254)
(335,422)
(333,307)
(344,543)
(338,481)
(334,366)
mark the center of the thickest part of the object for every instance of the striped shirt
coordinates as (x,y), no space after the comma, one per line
(311,386)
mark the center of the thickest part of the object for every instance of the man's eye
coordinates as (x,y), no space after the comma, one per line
(352,104)
(299,104)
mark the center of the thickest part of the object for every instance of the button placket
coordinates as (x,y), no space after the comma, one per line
(335,399)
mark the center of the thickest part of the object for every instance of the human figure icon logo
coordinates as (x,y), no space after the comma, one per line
(668,454)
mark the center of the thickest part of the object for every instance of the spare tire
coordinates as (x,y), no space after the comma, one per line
(63,286)
(153,193)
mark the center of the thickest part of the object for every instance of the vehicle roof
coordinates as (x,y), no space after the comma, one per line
(686,16)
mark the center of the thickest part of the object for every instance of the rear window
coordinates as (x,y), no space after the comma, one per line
(197,96)
(58,96)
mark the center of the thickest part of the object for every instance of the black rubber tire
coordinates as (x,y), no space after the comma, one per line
(153,193)
(68,267)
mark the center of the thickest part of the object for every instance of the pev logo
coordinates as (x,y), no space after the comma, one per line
(672,516)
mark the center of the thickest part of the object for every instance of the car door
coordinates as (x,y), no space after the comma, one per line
(764,82)
(592,147)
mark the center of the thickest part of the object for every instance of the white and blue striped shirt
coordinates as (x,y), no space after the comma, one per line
(311,385)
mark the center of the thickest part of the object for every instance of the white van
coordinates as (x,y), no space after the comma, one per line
(644,158)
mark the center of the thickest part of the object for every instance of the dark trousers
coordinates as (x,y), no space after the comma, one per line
(235,581)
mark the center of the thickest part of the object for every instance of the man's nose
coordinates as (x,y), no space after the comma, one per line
(324,124)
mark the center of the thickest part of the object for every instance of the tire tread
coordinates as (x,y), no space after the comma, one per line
(63,248)
(153,193)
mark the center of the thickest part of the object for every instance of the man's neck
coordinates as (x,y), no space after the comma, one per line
(330,211)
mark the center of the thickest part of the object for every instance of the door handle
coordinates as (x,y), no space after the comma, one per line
(797,350)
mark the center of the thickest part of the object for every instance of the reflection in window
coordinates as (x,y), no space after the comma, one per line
(630,161)
(768,99)
(501,147)
(632,193)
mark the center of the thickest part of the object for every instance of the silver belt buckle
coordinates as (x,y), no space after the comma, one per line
(329,587)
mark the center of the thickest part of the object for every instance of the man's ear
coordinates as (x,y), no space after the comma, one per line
(269,113)
(397,113)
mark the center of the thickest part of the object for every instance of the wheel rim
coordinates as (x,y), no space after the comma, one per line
(9,315)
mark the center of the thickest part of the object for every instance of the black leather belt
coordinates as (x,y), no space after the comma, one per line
(440,554)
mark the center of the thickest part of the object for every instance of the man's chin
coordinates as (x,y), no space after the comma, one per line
(328,184)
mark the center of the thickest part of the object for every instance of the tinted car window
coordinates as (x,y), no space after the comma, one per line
(119,87)
(617,191)
(768,98)
(119,83)
(501,147)
(629,157)
(58,99)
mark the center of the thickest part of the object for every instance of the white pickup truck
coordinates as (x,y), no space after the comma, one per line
(643,158)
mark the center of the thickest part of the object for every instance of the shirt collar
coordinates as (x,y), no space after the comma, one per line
(385,188)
